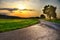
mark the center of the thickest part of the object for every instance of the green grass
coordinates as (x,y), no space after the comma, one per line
(13,24)
(55,21)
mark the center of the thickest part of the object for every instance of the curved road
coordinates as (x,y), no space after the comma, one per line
(35,32)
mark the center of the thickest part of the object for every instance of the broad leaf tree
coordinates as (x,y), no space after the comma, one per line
(50,11)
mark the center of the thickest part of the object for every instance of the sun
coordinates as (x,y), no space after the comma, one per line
(21,6)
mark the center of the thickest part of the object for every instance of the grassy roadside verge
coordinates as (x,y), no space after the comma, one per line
(13,24)
(55,21)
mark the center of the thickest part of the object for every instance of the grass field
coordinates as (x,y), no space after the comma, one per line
(55,21)
(13,24)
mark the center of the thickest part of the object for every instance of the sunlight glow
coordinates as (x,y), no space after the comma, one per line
(21,6)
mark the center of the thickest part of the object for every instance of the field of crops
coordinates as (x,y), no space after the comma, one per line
(13,24)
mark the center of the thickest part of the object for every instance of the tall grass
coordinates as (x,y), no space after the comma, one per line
(12,24)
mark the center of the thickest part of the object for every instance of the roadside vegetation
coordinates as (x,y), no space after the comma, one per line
(55,21)
(13,24)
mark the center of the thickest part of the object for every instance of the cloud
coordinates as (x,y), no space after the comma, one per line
(12,0)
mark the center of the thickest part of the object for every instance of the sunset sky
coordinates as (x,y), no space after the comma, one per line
(29,4)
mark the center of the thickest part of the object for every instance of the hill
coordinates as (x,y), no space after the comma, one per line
(8,17)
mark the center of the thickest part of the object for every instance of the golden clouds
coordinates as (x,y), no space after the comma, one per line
(25,14)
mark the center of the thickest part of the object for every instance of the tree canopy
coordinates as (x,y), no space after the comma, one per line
(50,11)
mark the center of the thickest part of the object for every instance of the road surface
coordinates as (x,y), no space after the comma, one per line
(34,32)
(53,25)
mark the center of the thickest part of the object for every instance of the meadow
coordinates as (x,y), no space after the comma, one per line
(13,24)
(55,21)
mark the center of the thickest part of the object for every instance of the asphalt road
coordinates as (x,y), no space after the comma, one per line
(53,25)
(35,32)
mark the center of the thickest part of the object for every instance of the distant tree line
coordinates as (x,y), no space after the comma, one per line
(8,17)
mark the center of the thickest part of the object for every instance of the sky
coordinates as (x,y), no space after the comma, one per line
(30,4)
